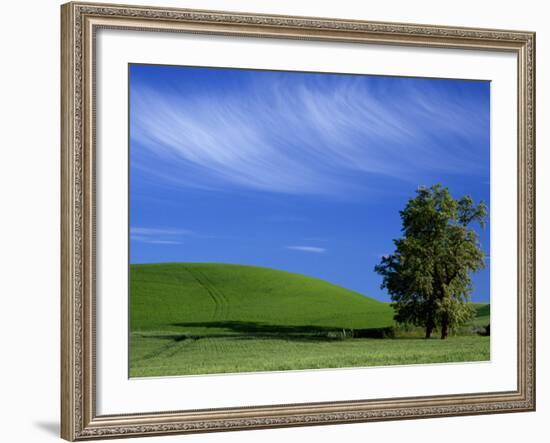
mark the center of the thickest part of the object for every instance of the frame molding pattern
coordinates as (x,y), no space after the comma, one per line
(79,23)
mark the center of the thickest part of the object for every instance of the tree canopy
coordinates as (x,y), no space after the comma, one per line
(428,274)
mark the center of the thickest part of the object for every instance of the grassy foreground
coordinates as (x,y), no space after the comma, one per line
(212,318)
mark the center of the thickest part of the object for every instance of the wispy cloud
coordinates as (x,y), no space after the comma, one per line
(154,241)
(313,249)
(304,135)
(158,231)
(161,236)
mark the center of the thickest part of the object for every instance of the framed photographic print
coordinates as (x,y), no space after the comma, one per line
(282,221)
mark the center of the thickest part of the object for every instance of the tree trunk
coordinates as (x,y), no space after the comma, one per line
(444,329)
(429,329)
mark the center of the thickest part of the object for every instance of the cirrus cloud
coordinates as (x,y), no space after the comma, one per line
(313,249)
(302,133)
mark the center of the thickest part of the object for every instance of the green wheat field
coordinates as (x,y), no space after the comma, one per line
(203,318)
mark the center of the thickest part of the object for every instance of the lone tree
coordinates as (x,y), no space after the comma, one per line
(428,275)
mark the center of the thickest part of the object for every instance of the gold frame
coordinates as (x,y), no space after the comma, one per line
(79,22)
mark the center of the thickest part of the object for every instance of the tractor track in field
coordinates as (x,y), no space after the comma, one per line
(168,350)
(221,304)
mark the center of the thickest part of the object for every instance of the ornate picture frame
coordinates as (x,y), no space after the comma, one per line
(80,23)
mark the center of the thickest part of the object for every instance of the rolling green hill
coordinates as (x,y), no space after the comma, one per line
(165,296)
(197,318)
(483,314)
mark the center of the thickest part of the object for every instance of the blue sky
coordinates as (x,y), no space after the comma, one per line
(304,172)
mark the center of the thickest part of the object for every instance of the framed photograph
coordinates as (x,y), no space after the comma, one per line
(277,221)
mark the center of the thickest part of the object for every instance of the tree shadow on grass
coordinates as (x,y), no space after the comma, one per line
(257,330)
